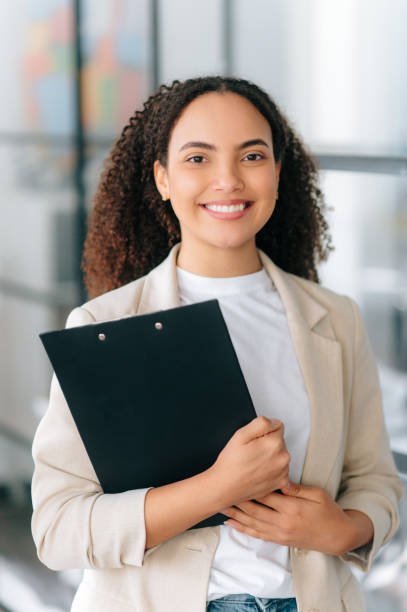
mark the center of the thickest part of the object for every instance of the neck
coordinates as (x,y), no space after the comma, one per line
(209,260)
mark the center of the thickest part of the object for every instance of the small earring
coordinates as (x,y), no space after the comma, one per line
(166,200)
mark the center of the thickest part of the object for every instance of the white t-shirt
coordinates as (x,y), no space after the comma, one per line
(257,324)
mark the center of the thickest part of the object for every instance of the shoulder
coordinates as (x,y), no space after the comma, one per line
(306,300)
(330,313)
(330,299)
(156,290)
(114,304)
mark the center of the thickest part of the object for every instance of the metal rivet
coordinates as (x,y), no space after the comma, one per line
(158,325)
(102,337)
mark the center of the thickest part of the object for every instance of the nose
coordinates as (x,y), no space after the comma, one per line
(227,178)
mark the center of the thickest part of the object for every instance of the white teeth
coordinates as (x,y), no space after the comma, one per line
(225,209)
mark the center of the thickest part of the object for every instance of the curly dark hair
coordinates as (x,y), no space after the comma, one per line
(131,231)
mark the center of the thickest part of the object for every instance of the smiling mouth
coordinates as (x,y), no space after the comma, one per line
(227,208)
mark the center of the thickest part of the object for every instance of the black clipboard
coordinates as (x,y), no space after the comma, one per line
(155,397)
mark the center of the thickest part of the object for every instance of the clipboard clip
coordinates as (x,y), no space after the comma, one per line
(158,325)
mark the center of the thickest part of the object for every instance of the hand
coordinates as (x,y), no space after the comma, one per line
(304,517)
(254,462)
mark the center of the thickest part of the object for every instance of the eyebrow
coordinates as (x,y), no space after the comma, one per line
(205,145)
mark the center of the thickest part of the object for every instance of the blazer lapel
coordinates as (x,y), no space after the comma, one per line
(320,358)
(320,361)
(160,290)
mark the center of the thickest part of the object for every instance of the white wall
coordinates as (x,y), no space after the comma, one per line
(191,34)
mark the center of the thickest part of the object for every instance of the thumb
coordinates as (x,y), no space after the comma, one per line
(259,426)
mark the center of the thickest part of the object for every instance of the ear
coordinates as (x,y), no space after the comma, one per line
(161,179)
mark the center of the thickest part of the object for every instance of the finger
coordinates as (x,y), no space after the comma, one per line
(252,515)
(232,511)
(292,488)
(254,533)
(295,489)
(259,426)
(262,531)
(276,501)
(257,510)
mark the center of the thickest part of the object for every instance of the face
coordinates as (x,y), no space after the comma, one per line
(221,176)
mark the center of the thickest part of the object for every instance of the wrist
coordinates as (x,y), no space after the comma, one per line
(217,489)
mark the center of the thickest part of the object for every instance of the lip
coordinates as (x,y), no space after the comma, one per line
(225,202)
(225,215)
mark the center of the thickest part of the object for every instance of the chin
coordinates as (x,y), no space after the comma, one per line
(230,242)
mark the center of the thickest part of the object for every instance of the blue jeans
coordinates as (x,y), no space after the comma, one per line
(249,603)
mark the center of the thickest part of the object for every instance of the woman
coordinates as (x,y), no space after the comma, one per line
(209,193)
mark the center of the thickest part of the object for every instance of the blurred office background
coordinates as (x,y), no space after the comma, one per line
(72,72)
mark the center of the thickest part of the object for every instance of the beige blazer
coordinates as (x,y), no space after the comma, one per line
(75,525)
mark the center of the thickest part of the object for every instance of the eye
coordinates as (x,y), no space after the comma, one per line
(196,159)
(259,156)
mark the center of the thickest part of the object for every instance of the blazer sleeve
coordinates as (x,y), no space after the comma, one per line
(74,524)
(370,482)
